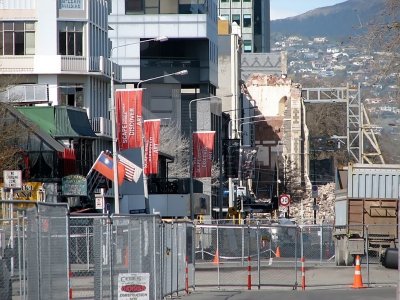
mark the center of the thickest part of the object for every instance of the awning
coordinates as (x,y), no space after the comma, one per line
(60,121)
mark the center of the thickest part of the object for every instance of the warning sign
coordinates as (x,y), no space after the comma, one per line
(133,286)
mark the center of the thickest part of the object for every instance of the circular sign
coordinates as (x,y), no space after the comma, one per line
(284,200)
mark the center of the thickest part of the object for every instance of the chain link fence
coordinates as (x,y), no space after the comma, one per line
(259,255)
(46,253)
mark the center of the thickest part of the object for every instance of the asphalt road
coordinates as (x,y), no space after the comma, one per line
(384,293)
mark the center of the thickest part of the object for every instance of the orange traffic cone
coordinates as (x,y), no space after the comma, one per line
(357,282)
(216,258)
(278,252)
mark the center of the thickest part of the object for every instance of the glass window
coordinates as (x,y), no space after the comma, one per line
(71,95)
(246,20)
(247,46)
(14,37)
(225,17)
(236,18)
(235,0)
(70,38)
(133,6)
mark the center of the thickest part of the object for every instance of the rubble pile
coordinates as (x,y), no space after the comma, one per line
(303,211)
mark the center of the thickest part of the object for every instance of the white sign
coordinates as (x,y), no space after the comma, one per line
(284,200)
(12,179)
(314,191)
(99,202)
(133,286)
(71,4)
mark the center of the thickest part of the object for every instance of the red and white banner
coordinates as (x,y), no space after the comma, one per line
(203,146)
(152,143)
(129,118)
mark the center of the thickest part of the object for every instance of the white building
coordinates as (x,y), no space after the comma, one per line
(54,53)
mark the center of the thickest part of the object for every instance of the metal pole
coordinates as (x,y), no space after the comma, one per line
(191,151)
(114,141)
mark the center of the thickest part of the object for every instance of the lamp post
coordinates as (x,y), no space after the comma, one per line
(179,73)
(113,119)
(191,150)
(145,187)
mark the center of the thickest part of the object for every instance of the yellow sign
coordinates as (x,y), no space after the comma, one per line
(31,191)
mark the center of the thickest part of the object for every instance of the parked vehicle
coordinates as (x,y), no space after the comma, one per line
(365,210)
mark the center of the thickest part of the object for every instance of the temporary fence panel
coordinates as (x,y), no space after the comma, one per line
(47,248)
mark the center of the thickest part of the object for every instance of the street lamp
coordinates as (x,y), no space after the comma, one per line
(179,73)
(113,119)
(191,150)
(145,187)
(245,118)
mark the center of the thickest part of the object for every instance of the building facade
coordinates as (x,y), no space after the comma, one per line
(54,62)
(253,16)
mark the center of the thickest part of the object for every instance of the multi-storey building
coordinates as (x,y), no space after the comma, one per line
(54,59)
(253,16)
(192,45)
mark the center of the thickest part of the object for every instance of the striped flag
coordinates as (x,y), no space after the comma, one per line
(132,171)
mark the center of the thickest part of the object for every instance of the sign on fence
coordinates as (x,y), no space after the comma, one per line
(12,179)
(133,286)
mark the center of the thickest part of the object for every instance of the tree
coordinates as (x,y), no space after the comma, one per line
(173,143)
(383,38)
(12,138)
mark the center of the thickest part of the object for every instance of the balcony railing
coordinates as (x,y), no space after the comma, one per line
(17,64)
(25,93)
(101,126)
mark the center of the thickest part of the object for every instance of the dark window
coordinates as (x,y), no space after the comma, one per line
(71,95)
(70,38)
(236,18)
(17,38)
(246,20)
(133,6)
(247,46)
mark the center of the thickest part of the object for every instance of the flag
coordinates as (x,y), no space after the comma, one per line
(152,143)
(104,165)
(203,144)
(129,118)
(132,171)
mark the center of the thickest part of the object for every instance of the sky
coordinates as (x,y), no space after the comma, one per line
(288,8)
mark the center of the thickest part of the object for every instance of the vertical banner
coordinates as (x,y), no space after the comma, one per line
(203,146)
(129,118)
(152,143)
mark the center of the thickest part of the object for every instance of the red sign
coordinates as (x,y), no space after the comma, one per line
(129,118)
(152,143)
(284,200)
(203,145)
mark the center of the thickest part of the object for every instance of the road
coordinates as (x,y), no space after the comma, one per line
(382,293)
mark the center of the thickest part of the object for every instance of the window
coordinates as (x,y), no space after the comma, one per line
(133,6)
(246,20)
(225,17)
(247,46)
(235,0)
(17,38)
(70,38)
(71,95)
(236,18)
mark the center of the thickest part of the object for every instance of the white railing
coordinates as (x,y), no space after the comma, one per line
(16,64)
(25,93)
(101,126)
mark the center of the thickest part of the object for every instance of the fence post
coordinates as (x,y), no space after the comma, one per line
(109,246)
(217,253)
(249,259)
(258,255)
(295,257)
(366,251)
(321,243)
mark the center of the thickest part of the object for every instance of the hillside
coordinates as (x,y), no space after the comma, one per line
(337,22)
